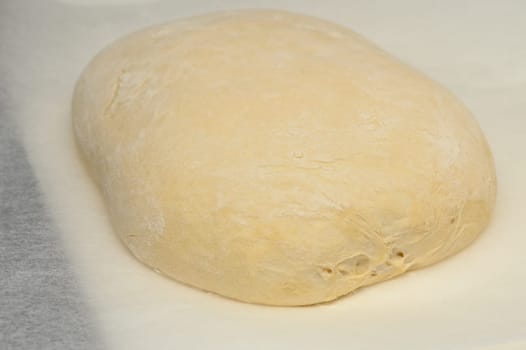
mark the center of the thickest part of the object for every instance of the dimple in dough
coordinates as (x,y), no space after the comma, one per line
(279,159)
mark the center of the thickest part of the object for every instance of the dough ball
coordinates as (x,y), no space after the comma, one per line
(277,158)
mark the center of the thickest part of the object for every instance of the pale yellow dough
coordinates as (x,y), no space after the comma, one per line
(277,158)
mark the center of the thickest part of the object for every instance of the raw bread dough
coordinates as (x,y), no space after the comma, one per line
(277,158)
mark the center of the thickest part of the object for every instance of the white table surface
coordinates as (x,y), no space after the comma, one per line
(475,300)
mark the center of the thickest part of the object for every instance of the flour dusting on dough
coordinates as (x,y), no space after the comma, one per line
(277,158)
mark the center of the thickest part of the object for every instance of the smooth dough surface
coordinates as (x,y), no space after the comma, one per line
(279,159)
